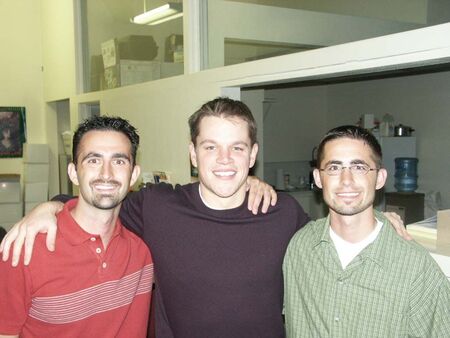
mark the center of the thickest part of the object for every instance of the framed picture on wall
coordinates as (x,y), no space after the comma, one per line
(12,131)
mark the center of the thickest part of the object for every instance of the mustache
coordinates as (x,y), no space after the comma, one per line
(100,181)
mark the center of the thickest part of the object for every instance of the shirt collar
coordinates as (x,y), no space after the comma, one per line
(376,251)
(72,231)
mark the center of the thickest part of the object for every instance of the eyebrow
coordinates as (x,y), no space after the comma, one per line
(243,143)
(115,155)
(342,163)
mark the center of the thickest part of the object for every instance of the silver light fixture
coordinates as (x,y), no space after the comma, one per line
(161,14)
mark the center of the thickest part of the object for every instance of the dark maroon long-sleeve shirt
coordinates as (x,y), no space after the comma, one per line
(218,272)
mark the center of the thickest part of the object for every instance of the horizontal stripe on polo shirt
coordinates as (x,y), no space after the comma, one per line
(84,303)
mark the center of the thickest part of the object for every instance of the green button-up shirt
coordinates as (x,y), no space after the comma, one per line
(393,288)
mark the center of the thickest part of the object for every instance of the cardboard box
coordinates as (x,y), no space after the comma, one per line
(97,73)
(173,43)
(10,191)
(36,192)
(35,153)
(132,71)
(36,172)
(129,72)
(132,47)
(10,212)
(137,47)
(110,53)
(443,230)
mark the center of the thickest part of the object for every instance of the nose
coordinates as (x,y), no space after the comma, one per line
(346,175)
(224,156)
(106,171)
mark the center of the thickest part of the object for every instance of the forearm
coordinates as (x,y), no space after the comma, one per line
(40,220)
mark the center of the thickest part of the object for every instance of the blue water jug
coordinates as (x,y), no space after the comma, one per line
(406,174)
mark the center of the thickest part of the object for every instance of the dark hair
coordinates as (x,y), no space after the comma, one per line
(223,107)
(352,132)
(106,123)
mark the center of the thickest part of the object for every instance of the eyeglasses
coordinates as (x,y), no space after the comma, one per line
(356,169)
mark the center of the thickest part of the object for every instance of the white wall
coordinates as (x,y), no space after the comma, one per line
(294,121)
(58,44)
(398,10)
(20,68)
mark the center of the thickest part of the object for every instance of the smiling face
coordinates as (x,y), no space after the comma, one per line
(223,155)
(104,170)
(349,194)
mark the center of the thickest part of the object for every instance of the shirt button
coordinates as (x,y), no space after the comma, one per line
(93,239)
(104,265)
(98,250)
(336,319)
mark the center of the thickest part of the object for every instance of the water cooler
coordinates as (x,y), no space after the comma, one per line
(392,148)
(408,204)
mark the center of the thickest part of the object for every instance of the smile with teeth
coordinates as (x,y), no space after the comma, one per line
(347,194)
(224,173)
(103,186)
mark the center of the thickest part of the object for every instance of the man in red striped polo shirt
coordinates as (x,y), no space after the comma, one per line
(99,283)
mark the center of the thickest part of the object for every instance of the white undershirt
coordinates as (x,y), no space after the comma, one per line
(203,200)
(347,251)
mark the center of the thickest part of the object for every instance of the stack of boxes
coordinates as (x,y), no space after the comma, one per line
(133,59)
(128,60)
(36,174)
(10,201)
(174,49)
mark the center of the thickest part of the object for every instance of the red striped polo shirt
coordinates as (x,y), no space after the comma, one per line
(81,289)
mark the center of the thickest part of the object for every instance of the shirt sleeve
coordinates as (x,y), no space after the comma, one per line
(62,198)
(302,217)
(137,204)
(15,297)
(430,304)
(131,214)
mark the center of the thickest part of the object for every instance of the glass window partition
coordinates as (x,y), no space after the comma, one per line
(128,42)
(247,30)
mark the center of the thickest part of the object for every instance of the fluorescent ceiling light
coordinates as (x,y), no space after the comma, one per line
(160,14)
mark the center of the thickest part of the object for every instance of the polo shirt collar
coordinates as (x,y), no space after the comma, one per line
(72,232)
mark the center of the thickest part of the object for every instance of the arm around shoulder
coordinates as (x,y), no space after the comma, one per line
(42,219)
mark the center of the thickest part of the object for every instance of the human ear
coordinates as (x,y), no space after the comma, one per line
(317,179)
(135,174)
(253,154)
(72,172)
(381,178)
(193,154)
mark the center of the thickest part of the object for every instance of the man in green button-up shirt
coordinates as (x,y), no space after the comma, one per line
(350,275)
